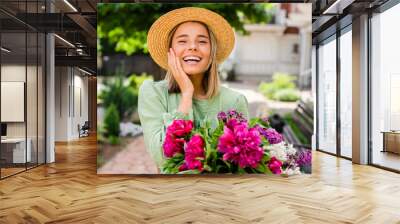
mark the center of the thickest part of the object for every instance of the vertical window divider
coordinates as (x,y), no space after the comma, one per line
(73,92)
(26,86)
(69,92)
(369,88)
(338,98)
(317,97)
(0,96)
(80,102)
(37,90)
(60,76)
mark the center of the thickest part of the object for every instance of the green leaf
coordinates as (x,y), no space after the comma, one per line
(241,171)
(267,171)
(207,168)
(261,168)
(264,141)
(189,172)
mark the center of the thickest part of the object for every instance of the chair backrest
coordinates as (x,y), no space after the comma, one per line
(86,125)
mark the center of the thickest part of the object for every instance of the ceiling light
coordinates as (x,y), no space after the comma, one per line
(5,50)
(70,5)
(338,6)
(64,40)
(86,72)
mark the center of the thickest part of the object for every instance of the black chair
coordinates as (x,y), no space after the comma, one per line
(84,130)
(277,122)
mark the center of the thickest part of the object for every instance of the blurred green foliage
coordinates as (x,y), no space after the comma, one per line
(114,140)
(119,94)
(123,93)
(287,95)
(282,88)
(136,81)
(111,121)
(123,27)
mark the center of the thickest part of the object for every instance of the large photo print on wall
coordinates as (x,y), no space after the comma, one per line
(204,89)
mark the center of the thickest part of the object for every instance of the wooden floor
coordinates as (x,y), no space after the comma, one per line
(70,191)
(10,171)
(387,159)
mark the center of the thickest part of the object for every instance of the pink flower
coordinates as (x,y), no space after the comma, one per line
(275,165)
(172,145)
(194,154)
(183,167)
(232,123)
(240,144)
(271,135)
(180,128)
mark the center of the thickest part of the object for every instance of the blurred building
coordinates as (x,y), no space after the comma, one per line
(283,46)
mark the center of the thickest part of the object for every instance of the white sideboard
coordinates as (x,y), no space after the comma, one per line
(18,145)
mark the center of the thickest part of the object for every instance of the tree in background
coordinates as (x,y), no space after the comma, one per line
(119,94)
(111,123)
(123,27)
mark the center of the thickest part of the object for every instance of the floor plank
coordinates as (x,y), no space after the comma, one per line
(70,191)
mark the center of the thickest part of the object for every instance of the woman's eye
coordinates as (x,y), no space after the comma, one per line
(203,42)
(182,41)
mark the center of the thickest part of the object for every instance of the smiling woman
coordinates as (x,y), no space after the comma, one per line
(194,46)
(189,43)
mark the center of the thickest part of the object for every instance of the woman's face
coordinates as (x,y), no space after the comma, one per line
(192,45)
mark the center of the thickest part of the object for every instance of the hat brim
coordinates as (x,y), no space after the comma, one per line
(157,37)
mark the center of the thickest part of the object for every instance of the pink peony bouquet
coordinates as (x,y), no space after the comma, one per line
(234,146)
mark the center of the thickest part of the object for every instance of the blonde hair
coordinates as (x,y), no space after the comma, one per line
(211,80)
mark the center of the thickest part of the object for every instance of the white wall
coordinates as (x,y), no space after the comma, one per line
(265,51)
(61,103)
(71,94)
(12,73)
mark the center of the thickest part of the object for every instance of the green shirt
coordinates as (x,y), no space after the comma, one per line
(157,109)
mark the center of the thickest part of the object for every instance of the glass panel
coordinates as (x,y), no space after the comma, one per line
(385,86)
(23,84)
(14,153)
(327,97)
(32,84)
(31,99)
(346,94)
(313,86)
(41,99)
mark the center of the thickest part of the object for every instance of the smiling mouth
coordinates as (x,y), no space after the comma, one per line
(191,60)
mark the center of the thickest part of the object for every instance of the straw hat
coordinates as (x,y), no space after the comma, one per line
(157,37)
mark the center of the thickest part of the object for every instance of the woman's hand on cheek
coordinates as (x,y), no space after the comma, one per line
(185,84)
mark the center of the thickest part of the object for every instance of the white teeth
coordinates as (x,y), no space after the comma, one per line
(191,58)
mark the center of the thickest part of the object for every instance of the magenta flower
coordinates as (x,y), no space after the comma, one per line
(240,144)
(232,123)
(270,134)
(194,154)
(172,145)
(183,167)
(233,114)
(275,165)
(180,128)
(222,116)
(304,158)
